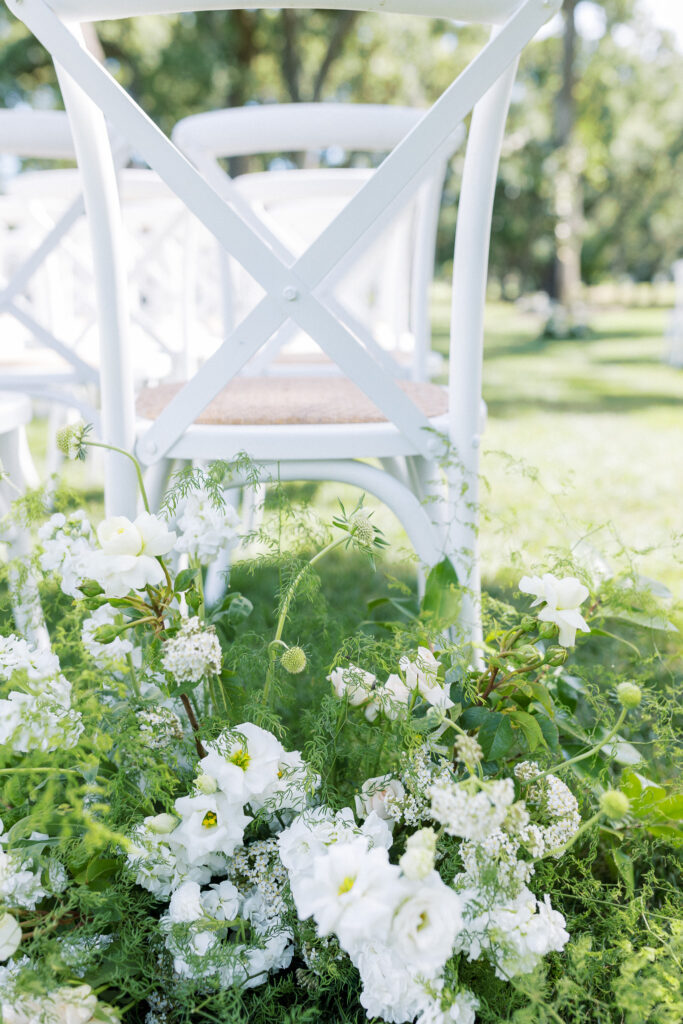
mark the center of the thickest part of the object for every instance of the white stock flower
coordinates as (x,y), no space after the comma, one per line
(38,716)
(562,599)
(10,936)
(105,654)
(66,1005)
(418,860)
(206,530)
(422,675)
(185,904)
(373,796)
(65,540)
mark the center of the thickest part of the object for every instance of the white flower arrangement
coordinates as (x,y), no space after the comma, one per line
(244,862)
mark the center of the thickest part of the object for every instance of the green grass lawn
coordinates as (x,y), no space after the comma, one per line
(584,439)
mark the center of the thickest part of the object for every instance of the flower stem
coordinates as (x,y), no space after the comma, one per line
(138,468)
(289,596)
(194,723)
(588,753)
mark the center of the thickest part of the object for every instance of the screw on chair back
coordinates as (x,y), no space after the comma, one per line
(384,284)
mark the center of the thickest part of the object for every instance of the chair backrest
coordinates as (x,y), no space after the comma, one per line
(291,285)
(385,286)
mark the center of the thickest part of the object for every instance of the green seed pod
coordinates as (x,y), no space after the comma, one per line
(629,695)
(293,660)
(614,804)
(362,529)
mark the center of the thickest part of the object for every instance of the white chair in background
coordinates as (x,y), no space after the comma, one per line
(385,289)
(321,428)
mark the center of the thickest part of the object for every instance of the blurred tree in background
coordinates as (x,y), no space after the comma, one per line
(590,183)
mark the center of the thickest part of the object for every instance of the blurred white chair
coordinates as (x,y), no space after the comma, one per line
(385,289)
(315,428)
(674,330)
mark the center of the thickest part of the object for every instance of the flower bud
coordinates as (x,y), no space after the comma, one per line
(106,634)
(418,860)
(90,588)
(556,655)
(293,660)
(546,630)
(528,623)
(206,784)
(161,824)
(468,750)
(614,804)
(527,655)
(629,695)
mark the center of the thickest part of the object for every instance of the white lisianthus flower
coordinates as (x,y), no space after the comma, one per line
(353,683)
(418,860)
(209,824)
(390,991)
(426,923)
(245,762)
(562,600)
(374,793)
(352,891)
(186,904)
(10,936)
(422,675)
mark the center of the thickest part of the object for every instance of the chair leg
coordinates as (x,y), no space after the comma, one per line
(156,480)
(26,607)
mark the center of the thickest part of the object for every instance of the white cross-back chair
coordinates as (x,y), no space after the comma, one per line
(39,275)
(384,287)
(382,417)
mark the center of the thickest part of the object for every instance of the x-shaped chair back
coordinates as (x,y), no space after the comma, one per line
(38,135)
(386,277)
(292,286)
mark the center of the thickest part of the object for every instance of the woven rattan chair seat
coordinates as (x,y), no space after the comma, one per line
(294,400)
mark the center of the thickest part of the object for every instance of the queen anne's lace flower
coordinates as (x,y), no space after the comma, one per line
(193,653)
(472,813)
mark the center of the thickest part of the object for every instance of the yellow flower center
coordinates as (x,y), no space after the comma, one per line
(241,758)
(424,921)
(210,819)
(346,886)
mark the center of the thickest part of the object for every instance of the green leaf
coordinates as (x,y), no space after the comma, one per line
(185,579)
(530,727)
(613,636)
(550,732)
(442,599)
(642,619)
(496,736)
(539,692)
(624,866)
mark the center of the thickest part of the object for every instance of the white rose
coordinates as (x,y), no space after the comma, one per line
(10,936)
(157,539)
(374,793)
(119,574)
(186,904)
(353,683)
(118,536)
(426,924)
(563,598)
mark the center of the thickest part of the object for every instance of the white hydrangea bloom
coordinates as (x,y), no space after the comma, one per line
(205,530)
(193,653)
